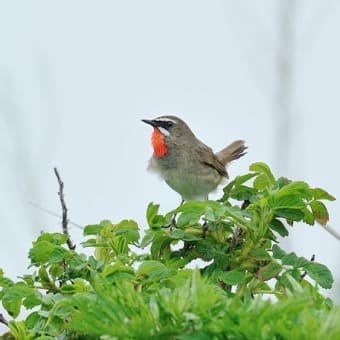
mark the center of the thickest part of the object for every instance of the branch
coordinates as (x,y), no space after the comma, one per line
(3,320)
(64,210)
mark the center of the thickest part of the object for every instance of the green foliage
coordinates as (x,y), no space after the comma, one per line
(121,293)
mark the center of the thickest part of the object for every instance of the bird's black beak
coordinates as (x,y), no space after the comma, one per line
(150,122)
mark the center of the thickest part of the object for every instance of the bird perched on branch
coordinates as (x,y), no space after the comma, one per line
(186,164)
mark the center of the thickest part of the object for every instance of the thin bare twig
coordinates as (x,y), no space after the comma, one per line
(64,210)
(3,320)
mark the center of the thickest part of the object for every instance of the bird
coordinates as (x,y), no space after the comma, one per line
(187,165)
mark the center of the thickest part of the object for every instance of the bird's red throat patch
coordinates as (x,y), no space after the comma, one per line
(158,143)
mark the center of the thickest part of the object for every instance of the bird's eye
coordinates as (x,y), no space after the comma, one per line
(169,124)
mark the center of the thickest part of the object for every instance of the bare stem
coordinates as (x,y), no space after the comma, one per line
(64,210)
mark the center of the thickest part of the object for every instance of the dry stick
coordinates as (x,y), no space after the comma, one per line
(64,210)
(3,320)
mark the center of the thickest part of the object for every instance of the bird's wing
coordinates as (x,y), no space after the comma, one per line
(207,156)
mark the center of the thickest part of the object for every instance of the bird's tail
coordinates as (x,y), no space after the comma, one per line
(233,151)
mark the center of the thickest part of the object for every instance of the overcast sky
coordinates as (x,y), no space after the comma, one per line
(76,78)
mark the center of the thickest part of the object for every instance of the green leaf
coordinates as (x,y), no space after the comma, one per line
(320,194)
(177,234)
(233,277)
(290,214)
(209,214)
(13,296)
(320,273)
(189,217)
(269,271)
(57,254)
(55,238)
(154,271)
(127,229)
(259,254)
(279,227)
(292,259)
(320,212)
(278,253)
(296,188)
(153,218)
(308,217)
(92,229)
(148,238)
(41,251)
(160,241)
(291,201)
(244,178)
(265,178)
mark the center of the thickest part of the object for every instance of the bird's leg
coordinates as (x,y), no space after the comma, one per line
(173,224)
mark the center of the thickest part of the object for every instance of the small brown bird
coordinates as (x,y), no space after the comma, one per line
(186,164)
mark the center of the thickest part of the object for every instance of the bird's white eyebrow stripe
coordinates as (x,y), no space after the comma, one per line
(165,119)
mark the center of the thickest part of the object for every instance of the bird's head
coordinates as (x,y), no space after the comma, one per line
(167,130)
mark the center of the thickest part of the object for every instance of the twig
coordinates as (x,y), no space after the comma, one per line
(64,210)
(3,320)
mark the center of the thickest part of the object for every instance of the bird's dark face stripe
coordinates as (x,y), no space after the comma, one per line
(160,123)
(165,124)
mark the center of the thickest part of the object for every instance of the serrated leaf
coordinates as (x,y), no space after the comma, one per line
(206,250)
(244,178)
(233,277)
(127,229)
(55,238)
(153,218)
(289,214)
(189,217)
(321,194)
(160,241)
(259,254)
(32,300)
(308,217)
(279,227)
(13,296)
(297,188)
(57,254)
(320,273)
(292,259)
(177,234)
(92,229)
(278,253)
(154,271)
(242,193)
(265,179)
(148,238)
(287,202)
(320,212)
(191,237)
(209,214)
(269,271)
(40,252)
